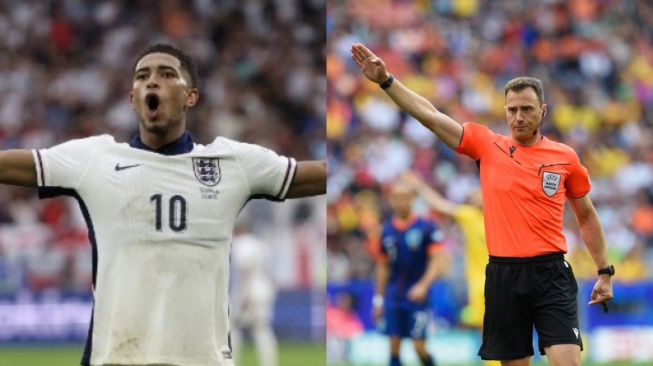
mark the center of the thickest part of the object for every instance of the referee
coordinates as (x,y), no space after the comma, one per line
(525,180)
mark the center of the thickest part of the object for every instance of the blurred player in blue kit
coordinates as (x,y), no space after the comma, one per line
(160,212)
(411,258)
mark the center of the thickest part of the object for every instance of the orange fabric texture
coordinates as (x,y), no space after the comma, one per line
(524,191)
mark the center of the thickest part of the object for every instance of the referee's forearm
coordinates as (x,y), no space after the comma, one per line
(447,130)
(592,234)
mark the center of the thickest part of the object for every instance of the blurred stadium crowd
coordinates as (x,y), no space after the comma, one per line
(595,58)
(66,71)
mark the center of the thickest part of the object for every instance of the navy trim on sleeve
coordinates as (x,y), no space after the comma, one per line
(266,197)
(285,179)
(40,166)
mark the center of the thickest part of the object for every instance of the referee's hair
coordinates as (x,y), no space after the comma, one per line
(187,63)
(520,83)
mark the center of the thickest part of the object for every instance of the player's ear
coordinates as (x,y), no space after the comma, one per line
(544,108)
(131,100)
(192,96)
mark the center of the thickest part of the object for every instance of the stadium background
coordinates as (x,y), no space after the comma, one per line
(65,72)
(595,58)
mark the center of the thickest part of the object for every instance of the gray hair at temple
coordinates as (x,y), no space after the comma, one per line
(523,82)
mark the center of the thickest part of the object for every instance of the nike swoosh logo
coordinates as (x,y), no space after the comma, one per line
(119,168)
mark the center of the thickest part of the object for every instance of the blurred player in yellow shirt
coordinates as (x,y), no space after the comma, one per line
(469,217)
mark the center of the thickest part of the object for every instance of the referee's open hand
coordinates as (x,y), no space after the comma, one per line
(602,292)
(370,64)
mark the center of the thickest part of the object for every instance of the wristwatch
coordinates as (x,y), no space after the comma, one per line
(609,270)
(386,84)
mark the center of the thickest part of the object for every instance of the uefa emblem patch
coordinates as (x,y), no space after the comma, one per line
(550,183)
(207,170)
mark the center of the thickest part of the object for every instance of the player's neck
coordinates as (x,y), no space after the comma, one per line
(404,218)
(155,142)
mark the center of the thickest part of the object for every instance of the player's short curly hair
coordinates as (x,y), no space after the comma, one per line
(523,82)
(187,64)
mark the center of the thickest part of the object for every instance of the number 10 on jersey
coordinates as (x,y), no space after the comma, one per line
(176,212)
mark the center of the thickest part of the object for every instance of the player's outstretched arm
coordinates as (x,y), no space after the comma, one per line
(430,195)
(592,234)
(448,130)
(17,168)
(310,179)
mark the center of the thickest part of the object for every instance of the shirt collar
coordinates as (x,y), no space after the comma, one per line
(402,225)
(182,145)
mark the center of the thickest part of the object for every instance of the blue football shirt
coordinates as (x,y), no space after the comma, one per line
(406,246)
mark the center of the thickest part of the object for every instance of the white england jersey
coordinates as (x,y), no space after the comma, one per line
(160,224)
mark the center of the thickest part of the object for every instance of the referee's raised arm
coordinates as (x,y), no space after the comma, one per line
(448,130)
(17,168)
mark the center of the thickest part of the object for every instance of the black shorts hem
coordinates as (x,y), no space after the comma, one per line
(549,344)
(495,357)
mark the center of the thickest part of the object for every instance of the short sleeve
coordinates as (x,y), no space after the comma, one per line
(64,165)
(374,247)
(382,252)
(475,139)
(435,237)
(578,182)
(268,174)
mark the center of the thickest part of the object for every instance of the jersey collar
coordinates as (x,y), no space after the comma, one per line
(182,145)
(402,225)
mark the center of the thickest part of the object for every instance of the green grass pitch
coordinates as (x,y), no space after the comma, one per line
(290,354)
(543,364)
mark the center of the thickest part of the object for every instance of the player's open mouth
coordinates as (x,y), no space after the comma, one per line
(152,101)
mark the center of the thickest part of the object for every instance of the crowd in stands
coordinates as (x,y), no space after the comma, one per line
(66,71)
(595,59)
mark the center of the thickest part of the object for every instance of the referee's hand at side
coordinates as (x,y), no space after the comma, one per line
(602,291)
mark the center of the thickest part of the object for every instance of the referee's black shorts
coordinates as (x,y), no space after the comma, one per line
(522,292)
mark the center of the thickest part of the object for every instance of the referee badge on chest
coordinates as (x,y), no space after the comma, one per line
(207,170)
(550,183)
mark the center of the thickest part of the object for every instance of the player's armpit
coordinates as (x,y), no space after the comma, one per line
(17,168)
(310,179)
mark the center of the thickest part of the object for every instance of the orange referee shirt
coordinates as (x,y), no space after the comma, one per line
(524,190)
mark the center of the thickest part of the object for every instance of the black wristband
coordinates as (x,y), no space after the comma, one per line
(386,84)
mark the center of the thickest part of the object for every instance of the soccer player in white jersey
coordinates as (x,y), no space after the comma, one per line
(160,212)
(253,293)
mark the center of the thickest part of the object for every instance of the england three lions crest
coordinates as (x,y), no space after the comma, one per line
(550,183)
(207,170)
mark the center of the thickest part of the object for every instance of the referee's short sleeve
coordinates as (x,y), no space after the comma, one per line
(578,183)
(475,139)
